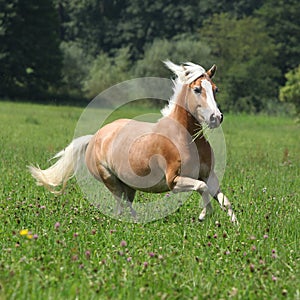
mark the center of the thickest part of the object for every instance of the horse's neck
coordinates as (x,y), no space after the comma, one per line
(181,114)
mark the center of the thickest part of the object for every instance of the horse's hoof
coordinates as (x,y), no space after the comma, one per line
(201,218)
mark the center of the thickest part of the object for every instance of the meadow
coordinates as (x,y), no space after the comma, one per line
(65,248)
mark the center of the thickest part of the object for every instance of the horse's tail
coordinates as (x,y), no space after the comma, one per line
(70,160)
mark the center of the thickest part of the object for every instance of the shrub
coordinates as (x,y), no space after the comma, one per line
(107,71)
(76,65)
(291,91)
(179,50)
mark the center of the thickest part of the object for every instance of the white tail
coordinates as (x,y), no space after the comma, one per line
(70,159)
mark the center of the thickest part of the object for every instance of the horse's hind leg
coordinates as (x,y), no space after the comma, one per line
(123,194)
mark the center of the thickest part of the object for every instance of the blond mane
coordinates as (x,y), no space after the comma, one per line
(186,74)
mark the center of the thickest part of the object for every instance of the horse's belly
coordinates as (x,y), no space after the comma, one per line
(149,179)
(160,187)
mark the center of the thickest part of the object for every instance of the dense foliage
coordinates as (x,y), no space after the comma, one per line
(30,59)
(246,56)
(75,48)
(291,91)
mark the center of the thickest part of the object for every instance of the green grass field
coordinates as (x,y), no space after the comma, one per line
(64,248)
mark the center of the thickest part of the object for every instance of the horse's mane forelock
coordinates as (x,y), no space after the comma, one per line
(186,74)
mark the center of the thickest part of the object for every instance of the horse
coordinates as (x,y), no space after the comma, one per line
(172,154)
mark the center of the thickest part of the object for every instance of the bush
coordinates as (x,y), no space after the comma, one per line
(179,50)
(107,71)
(76,66)
(291,91)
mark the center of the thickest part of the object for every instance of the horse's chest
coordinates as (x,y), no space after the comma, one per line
(197,163)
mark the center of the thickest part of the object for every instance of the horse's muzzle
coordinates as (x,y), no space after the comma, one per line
(215,120)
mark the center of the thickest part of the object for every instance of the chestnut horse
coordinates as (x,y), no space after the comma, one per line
(169,155)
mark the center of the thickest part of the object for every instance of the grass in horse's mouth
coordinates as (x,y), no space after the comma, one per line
(199,132)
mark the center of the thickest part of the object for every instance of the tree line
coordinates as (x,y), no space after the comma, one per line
(74,49)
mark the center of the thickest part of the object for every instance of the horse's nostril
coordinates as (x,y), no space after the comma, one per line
(213,118)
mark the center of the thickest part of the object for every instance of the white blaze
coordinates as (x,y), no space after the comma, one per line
(210,96)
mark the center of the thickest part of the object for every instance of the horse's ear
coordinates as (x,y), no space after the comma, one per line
(177,69)
(211,72)
(186,72)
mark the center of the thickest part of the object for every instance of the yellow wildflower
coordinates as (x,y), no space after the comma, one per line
(24,232)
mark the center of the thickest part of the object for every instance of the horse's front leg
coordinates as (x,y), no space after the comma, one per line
(186,184)
(207,207)
(214,190)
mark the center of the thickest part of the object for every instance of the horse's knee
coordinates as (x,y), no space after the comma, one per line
(202,187)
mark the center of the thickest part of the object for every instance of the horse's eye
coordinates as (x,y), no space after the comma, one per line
(197,90)
(216,90)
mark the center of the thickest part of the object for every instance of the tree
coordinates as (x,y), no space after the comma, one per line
(237,9)
(106,25)
(291,91)
(246,57)
(92,24)
(30,59)
(282,22)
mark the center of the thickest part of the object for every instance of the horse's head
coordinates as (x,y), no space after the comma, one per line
(201,92)
(201,99)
